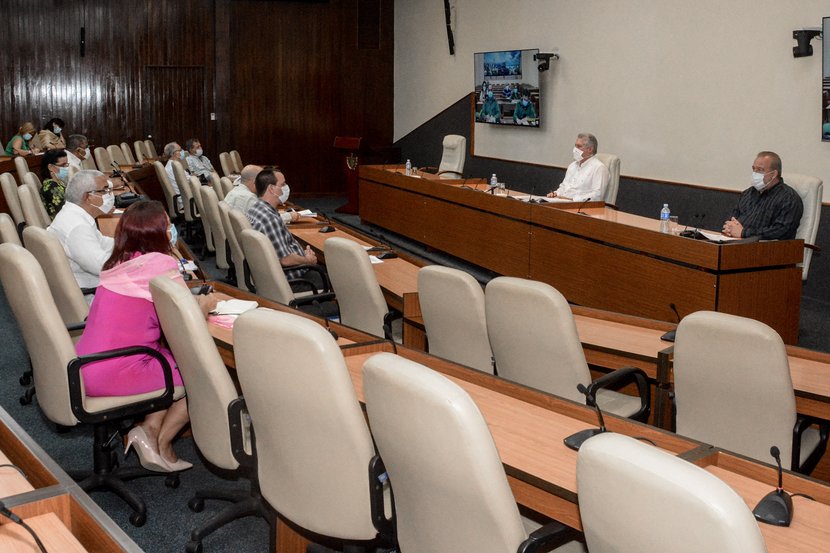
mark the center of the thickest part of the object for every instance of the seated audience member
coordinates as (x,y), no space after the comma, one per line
(524,112)
(174,154)
(54,174)
(769,209)
(87,197)
(198,163)
(272,190)
(243,195)
(19,143)
(490,111)
(77,150)
(50,137)
(587,177)
(123,315)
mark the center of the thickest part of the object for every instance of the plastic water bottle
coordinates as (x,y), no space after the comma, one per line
(665,214)
(408,170)
(494,181)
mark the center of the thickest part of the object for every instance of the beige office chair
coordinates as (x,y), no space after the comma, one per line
(452,304)
(9,186)
(191,215)
(311,436)
(359,296)
(150,149)
(239,222)
(209,208)
(452,160)
(218,426)
(450,490)
(170,195)
(227,185)
(237,257)
(237,161)
(30,211)
(88,163)
(226,162)
(733,390)
(196,192)
(612,163)
(8,230)
(57,376)
(138,146)
(103,160)
(21,166)
(535,343)
(32,182)
(216,184)
(127,152)
(116,154)
(811,191)
(635,497)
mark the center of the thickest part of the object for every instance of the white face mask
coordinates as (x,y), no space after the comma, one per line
(758,181)
(57,130)
(109,203)
(286,190)
(27,136)
(577,154)
(87,153)
(199,152)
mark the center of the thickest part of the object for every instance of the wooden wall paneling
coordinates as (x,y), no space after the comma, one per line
(173,103)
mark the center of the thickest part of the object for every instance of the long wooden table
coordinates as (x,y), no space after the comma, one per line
(596,256)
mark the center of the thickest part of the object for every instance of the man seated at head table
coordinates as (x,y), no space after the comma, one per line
(77,150)
(243,195)
(587,177)
(272,191)
(769,209)
(87,197)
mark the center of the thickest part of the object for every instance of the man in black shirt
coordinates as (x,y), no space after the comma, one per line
(769,209)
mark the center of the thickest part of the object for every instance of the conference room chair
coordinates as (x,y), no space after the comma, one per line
(191,214)
(21,166)
(635,497)
(117,156)
(88,163)
(210,215)
(811,190)
(150,149)
(103,160)
(535,343)
(56,372)
(217,426)
(227,185)
(238,223)
(452,304)
(9,187)
(8,230)
(32,182)
(236,161)
(227,164)
(138,146)
(733,390)
(448,482)
(359,296)
(216,184)
(452,159)
(236,258)
(314,450)
(269,277)
(127,153)
(612,163)
(173,209)
(196,191)
(31,214)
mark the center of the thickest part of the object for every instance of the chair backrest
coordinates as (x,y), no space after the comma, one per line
(237,255)
(138,146)
(237,161)
(612,162)
(167,188)
(216,184)
(732,384)
(534,338)
(353,279)
(103,160)
(47,340)
(186,191)
(88,163)
(635,497)
(28,202)
(265,267)
(209,386)
(312,441)
(455,153)
(435,443)
(210,215)
(49,252)
(196,192)
(452,303)
(32,181)
(127,153)
(150,149)
(227,184)
(8,230)
(811,191)
(21,166)
(9,186)
(226,162)
(116,155)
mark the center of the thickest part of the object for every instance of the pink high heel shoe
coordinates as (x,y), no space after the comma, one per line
(149,458)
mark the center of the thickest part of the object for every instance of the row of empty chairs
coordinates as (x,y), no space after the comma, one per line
(231,163)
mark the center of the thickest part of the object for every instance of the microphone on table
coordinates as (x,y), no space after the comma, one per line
(579,211)
(670,335)
(328,225)
(574,441)
(776,507)
(697,221)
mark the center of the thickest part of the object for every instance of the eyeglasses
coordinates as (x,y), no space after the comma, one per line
(102,191)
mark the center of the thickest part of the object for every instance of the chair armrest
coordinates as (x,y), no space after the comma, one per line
(87,291)
(428,169)
(812,247)
(623,376)
(176,209)
(76,394)
(319,269)
(246,272)
(378,484)
(802,423)
(194,209)
(238,419)
(76,326)
(444,172)
(551,535)
(305,282)
(387,323)
(311,300)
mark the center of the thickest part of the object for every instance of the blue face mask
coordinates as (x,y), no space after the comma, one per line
(524,103)
(27,136)
(57,129)
(181,154)
(490,95)
(174,235)
(63,173)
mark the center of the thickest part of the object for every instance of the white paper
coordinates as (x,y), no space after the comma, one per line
(307,213)
(526,198)
(234,307)
(190,266)
(716,236)
(374,259)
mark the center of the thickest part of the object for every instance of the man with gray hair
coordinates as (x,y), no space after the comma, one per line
(77,150)
(587,177)
(88,196)
(174,154)
(243,195)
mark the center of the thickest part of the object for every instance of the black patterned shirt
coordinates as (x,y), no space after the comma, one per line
(266,219)
(773,214)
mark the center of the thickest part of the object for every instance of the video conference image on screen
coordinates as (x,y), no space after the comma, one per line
(507,88)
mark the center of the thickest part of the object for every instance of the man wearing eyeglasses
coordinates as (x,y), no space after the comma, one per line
(769,209)
(88,196)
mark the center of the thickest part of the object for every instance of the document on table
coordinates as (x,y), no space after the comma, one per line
(716,236)
(542,199)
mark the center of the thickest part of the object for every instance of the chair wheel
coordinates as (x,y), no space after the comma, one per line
(193,547)
(24,400)
(172,481)
(138,519)
(25,380)
(197,505)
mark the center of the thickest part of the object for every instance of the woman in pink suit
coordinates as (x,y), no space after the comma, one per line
(122,315)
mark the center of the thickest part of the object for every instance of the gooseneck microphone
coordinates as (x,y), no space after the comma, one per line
(776,508)
(574,441)
(670,335)
(584,202)
(697,222)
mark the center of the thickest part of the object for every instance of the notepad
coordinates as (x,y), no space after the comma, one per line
(234,307)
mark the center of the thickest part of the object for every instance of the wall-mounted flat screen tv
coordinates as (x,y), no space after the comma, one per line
(507,88)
